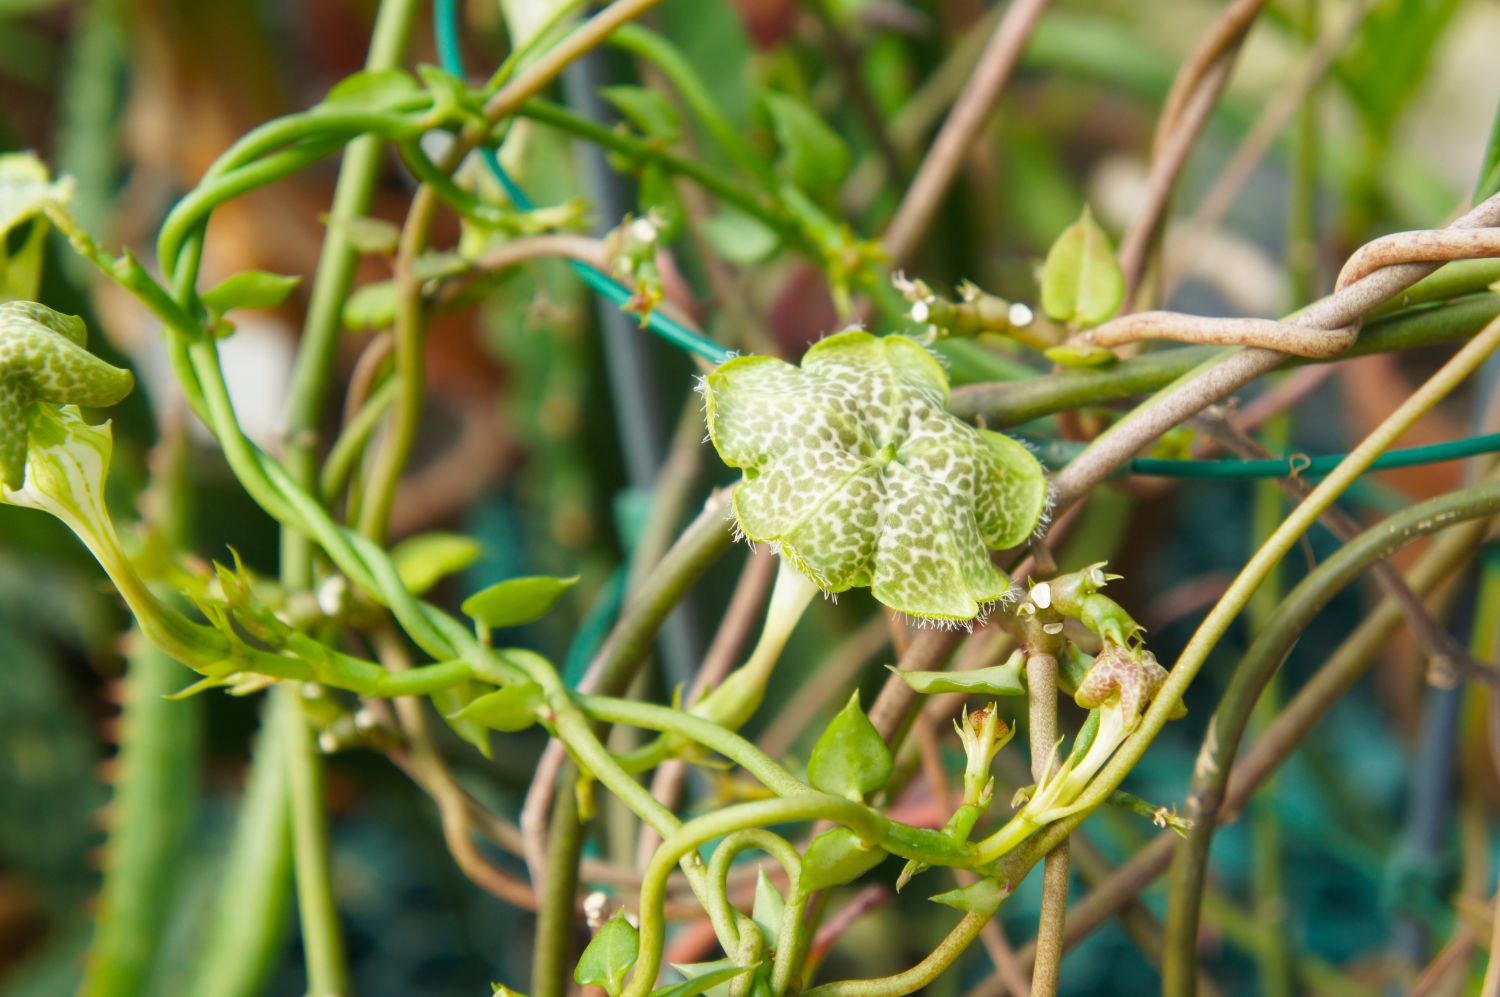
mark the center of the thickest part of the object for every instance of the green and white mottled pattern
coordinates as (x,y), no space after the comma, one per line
(43,359)
(855,468)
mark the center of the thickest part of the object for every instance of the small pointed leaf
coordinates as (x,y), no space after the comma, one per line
(648,110)
(850,759)
(837,857)
(249,289)
(769,909)
(609,956)
(997,680)
(516,600)
(702,978)
(983,897)
(740,237)
(374,236)
(371,307)
(1082,283)
(509,709)
(812,154)
(374,90)
(425,559)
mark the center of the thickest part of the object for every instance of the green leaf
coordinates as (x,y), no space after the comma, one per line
(739,237)
(837,857)
(850,759)
(997,680)
(812,154)
(425,559)
(983,897)
(371,307)
(1080,355)
(249,289)
(437,264)
(507,710)
(648,110)
(452,701)
(769,909)
(659,200)
(373,236)
(516,600)
(374,90)
(26,189)
(1082,283)
(701,978)
(451,99)
(609,956)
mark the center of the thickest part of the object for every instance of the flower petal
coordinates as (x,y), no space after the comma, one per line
(930,559)
(782,496)
(872,377)
(836,544)
(1012,491)
(759,407)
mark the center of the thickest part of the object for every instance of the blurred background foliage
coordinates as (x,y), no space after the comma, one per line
(523,439)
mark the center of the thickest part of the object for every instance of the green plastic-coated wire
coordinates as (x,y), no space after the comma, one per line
(1054,453)
(445,17)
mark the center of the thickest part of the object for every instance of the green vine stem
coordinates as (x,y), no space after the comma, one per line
(1041,698)
(247,925)
(156,795)
(955,944)
(323,949)
(1270,648)
(1453,373)
(1011,403)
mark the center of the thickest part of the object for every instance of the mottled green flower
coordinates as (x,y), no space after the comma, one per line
(856,470)
(42,359)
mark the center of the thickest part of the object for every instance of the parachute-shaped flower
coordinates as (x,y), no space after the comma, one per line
(855,468)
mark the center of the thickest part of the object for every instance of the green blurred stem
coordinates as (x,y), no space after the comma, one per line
(955,944)
(1010,403)
(1264,656)
(665,56)
(247,927)
(680,844)
(409,333)
(1453,373)
(322,939)
(1273,960)
(151,817)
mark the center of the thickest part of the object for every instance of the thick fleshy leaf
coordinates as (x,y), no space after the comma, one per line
(851,759)
(813,156)
(508,710)
(857,471)
(1082,283)
(837,857)
(609,956)
(425,559)
(250,289)
(768,910)
(516,600)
